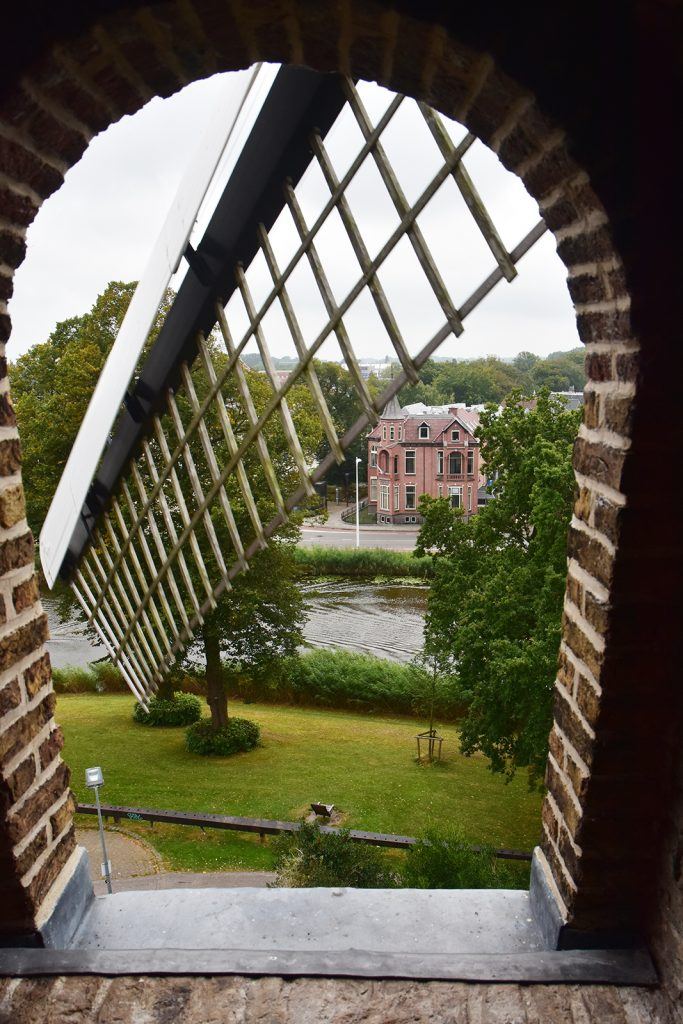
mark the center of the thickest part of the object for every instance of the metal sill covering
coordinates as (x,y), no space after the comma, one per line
(464,935)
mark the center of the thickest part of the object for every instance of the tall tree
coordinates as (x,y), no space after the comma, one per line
(495,605)
(52,385)
(261,618)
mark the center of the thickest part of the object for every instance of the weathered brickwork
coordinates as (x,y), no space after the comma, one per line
(311,1000)
(610,738)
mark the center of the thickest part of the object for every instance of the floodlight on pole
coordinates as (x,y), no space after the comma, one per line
(93,780)
(358,461)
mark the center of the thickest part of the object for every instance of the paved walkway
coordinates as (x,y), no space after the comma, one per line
(137,866)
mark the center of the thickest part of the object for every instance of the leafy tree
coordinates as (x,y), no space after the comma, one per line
(345,407)
(52,385)
(260,619)
(494,610)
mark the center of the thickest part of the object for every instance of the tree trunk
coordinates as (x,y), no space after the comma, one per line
(216,695)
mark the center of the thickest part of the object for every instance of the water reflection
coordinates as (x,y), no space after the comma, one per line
(384,619)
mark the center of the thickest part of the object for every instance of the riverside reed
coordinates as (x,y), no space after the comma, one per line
(362,563)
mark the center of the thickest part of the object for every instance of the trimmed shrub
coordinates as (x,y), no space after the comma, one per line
(446,860)
(238,735)
(367,563)
(183,709)
(310,858)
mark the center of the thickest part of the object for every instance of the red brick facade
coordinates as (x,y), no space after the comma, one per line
(411,454)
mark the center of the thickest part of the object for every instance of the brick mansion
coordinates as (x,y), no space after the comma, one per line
(423,450)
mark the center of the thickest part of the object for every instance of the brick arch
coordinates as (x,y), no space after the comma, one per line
(111,68)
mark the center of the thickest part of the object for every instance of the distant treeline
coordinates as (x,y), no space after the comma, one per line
(477,381)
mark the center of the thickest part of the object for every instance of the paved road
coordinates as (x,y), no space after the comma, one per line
(370,537)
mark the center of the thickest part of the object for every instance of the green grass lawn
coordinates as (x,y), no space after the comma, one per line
(365,764)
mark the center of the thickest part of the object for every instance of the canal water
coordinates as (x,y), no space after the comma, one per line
(384,619)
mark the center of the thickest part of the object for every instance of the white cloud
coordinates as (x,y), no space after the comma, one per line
(102,224)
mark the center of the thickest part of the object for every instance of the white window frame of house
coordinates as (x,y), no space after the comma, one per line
(400,433)
(391,432)
(455,492)
(451,457)
(423,436)
(455,435)
(397,497)
(470,462)
(384,433)
(373,457)
(384,497)
(373,488)
(439,462)
(412,453)
(439,490)
(411,495)
(469,497)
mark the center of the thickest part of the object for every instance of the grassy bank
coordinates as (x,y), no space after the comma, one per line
(317,678)
(362,563)
(365,765)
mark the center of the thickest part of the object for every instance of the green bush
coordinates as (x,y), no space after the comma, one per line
(183,709)
(108,677)
(310,858)
(98,677)
(360,682)
(446,860)
(74,679)
(238,735)
(366,563)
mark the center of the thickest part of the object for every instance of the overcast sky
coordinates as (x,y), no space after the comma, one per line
(103,222)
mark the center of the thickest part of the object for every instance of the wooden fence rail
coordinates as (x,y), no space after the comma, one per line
(262,826)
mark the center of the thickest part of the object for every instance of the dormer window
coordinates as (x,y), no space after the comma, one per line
(455,435)
(424,432)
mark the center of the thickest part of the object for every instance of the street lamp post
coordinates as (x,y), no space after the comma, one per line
(93,780)
(358,461)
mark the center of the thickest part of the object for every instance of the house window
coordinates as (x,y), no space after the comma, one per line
(373,488)
(384,497)
(455,463)
(439,490)
(455,496)
(373,457)
(470,463)
(391,432)
(424,432)
(455,435)
(384,433)
(439,463)
(410,461)
(400,433)
(469,497)
(395,463)
(410,495)
(397,497)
